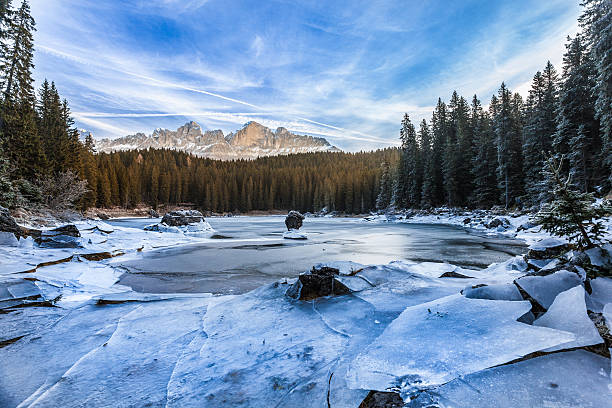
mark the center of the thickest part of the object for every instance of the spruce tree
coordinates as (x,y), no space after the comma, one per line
(439,129)
(407,192)
(386,187)
(577,134)
(596,22)
(428,165)
(20,137)
(484,156)
(508,140)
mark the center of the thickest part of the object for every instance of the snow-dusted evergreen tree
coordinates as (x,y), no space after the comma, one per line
(577,134)
(465,135)
(386,187)
(509,146)
(427,187)
(20,137)
(439,129)
(596,22)
(571,213)
(407,191)
(538,132)
(484,160)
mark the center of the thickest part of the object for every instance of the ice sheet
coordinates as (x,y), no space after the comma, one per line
(433,343)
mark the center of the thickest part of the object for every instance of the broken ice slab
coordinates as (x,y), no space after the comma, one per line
(544,289)
(570,379)
(607,312)
(436,342)
(133,367)
(568,313)
(263,349)
(37,361)
(507,291)
(601,294)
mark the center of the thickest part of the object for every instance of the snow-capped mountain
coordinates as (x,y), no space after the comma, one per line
(252,141)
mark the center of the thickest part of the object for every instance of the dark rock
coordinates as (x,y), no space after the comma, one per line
(499,221)
(382,399)
(467,220)
(317,283)
(453,274)
(294,220)
(153,213)
(547,252)
(182,218)
(66,236)
(526,226)
(8,224)
(103,216)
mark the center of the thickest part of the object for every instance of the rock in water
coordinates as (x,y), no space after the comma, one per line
(182,218)
(8,224)
(317,283)
(294,220)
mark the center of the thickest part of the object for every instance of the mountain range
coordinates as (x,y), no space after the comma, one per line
(252,141)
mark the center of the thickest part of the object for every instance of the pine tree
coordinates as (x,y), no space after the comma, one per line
(407,189)
(20,138)
(484,156)
(577,134)
(596,22)
(571,214)
(439,129)
(386,187)
(508,139)
(539,130)
(426,154)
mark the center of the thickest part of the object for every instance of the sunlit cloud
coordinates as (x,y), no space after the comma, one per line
(317,68)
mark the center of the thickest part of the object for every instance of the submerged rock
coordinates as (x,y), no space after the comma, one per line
(382,399)
(294,220)
(182,218)
(317,283)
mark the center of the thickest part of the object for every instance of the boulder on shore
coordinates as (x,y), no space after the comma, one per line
(66,236)
(294,220)
(547,248)
(182,218)
(8,224)
(317,283)
(153,213)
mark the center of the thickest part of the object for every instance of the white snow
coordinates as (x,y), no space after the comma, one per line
(568,312)
(294,234)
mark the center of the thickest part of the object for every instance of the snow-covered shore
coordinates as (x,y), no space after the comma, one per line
(72,336)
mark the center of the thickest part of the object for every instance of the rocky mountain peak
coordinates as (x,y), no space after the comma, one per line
(251,141)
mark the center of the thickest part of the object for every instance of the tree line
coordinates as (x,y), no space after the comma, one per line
(39,145)
(345,182)
(470,156)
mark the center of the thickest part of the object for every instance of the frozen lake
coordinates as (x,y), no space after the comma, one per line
(250,251)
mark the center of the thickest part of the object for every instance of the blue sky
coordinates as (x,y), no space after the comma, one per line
(343,70)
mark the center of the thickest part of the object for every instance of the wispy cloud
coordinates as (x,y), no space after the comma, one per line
(347,73)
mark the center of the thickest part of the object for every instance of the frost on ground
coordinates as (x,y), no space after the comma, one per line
(71,336)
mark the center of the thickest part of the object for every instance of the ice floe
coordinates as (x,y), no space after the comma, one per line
(568,312)
(456,336)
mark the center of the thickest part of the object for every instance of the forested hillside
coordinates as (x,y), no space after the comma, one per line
(467,155)
(308,182)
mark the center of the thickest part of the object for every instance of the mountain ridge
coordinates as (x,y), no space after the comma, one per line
(251,141)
